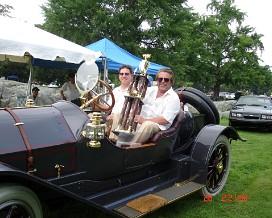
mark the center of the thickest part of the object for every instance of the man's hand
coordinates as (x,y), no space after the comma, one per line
(110,117)
(139,119)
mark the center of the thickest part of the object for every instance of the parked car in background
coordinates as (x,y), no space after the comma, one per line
(252,111)
(53,85)
(224,95)
(230,96)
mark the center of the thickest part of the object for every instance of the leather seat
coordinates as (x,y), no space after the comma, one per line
(174,128)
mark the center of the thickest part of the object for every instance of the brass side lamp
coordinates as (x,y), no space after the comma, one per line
(95,130)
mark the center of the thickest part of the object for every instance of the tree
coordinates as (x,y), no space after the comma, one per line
(5,10)
(227,50)
(168,26)
(8,68)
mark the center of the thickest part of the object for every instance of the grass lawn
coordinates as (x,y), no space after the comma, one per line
(250,179)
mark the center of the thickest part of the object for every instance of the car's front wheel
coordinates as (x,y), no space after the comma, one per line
(218,167)
(19,201)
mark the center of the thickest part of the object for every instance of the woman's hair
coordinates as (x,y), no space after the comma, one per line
(125,66)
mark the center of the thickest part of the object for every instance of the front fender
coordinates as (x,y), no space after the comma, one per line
(203,146)
(9,174)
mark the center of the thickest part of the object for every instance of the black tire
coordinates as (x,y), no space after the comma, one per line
(19,201)
(207,100)
(200,105)
(218,167)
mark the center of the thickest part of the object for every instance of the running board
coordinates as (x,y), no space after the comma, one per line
(148,203)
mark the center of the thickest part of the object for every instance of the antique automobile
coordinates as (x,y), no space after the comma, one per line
(56,151)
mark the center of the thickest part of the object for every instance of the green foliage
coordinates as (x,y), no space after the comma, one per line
(45,75)
(169,25)
(21,70)
(211,52)
(205,50)
(227,56)
(5,10)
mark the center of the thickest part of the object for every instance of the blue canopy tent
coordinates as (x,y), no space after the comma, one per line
(116,56)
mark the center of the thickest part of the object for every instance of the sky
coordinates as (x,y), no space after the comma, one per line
(258,16)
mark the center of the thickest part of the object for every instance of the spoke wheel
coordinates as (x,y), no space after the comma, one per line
(18,202)
(218,166)
(14,209)
(101,103)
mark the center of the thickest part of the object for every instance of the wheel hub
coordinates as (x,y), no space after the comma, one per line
(220,167)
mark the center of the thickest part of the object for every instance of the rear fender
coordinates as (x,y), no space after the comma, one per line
(203,146)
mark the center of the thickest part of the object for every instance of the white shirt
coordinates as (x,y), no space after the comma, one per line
(71,91)
(167,106)
(119,96)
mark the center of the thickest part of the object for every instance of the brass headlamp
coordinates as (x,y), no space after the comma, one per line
(95,130)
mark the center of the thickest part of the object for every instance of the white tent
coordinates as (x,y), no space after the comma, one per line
(24,43)
(19,42)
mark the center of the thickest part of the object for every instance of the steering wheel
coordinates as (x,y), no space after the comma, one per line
(96,90)
(100,103)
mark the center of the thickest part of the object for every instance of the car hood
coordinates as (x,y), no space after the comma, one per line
(252,109)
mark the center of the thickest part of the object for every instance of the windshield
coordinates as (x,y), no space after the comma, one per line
(254,101)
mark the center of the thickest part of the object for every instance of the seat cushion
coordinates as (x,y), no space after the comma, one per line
(171,131)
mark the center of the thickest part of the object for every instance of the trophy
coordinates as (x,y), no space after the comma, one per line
(133,99)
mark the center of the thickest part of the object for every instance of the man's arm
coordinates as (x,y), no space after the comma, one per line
(62,89)
(62,95)
(159,120)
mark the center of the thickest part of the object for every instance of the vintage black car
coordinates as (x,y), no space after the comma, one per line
(252,111)
(55,151)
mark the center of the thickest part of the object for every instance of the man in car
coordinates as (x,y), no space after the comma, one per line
(125,77)
(161,105)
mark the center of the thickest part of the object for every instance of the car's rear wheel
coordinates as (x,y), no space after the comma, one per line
(218,166)
(19,202)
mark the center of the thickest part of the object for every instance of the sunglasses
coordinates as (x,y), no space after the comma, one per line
(126,74)
(163,79)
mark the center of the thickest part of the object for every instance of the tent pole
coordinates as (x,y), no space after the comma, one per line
(106,79)
(105,70)
(28,91)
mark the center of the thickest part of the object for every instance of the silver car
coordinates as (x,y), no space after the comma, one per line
(252,111)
